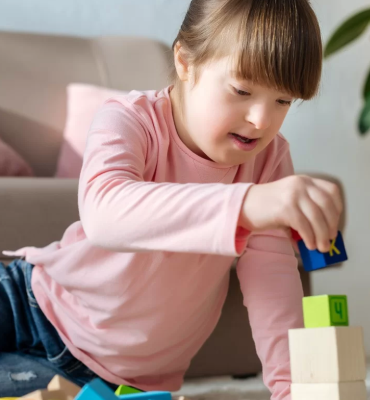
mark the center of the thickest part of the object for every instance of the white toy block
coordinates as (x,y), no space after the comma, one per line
(69,388)
(327,355)
(329,391)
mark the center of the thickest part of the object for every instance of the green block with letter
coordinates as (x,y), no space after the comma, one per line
(324,311)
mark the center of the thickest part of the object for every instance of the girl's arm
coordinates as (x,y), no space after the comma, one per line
(122,212)
(272,292)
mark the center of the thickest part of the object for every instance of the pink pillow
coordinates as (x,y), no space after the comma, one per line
(11,163)
(83,101)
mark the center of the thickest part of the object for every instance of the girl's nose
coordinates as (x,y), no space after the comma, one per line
(259,116)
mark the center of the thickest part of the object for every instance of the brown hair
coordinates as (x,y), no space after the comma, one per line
(276,43)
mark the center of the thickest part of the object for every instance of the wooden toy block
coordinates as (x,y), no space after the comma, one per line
(314,259)
(121,390)
(147,396)
(59,383)
(46,395)
(96,390)
(324,311)
(329,391)
(327,355)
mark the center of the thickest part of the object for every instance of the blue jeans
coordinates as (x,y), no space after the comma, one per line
(31,351)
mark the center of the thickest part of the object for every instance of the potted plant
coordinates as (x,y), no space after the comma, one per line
(347,32)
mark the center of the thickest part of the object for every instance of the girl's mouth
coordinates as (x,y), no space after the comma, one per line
(243,143)
(242,138)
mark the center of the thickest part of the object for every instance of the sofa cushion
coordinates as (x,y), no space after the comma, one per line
(12,163)
(83,101)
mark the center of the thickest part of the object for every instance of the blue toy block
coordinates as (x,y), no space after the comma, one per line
(314,259)
(96,390)
(147,396)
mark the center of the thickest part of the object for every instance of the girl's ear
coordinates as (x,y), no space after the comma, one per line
(181,63)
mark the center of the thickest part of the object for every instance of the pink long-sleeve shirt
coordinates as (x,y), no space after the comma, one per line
(137,285)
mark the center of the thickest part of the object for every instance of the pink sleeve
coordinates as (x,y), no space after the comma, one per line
(272,292)
(121,212)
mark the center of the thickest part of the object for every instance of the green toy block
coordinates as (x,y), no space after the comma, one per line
(121,390)
(325,311)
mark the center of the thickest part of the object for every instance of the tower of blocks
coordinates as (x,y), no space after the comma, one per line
(327,356)
(62,389)
(314,259)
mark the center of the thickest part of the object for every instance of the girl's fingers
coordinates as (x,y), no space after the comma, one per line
(303,227)
(333,191)
(318,223)
(328,208)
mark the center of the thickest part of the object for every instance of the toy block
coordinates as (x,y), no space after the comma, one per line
(121,390)
(46,395)
(147,396)
(314,259)
(59,383)
(295,235)
(324,311)
(96,390)
(329,391)
(327,355)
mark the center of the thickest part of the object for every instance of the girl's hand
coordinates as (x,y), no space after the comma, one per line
(310,206)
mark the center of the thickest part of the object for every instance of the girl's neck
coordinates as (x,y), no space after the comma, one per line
(177,104)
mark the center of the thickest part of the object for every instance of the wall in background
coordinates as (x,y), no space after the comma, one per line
(159,19)
(323,136)
(322,132)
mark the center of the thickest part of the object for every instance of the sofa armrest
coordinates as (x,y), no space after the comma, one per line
(35,211)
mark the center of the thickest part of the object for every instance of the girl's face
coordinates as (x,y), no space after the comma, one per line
(226,120)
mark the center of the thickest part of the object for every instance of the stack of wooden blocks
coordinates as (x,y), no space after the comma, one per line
(327,356)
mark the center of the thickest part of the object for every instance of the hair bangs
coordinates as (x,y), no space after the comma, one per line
(273,48)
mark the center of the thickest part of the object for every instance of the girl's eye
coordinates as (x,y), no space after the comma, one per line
(285,103)
(242,92)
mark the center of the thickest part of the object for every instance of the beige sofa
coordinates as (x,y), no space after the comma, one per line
(34,72)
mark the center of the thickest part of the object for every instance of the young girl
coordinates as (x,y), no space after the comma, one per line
(175,184)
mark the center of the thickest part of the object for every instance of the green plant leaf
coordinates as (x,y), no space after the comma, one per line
(346,33)
(367,86)
(364,122)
